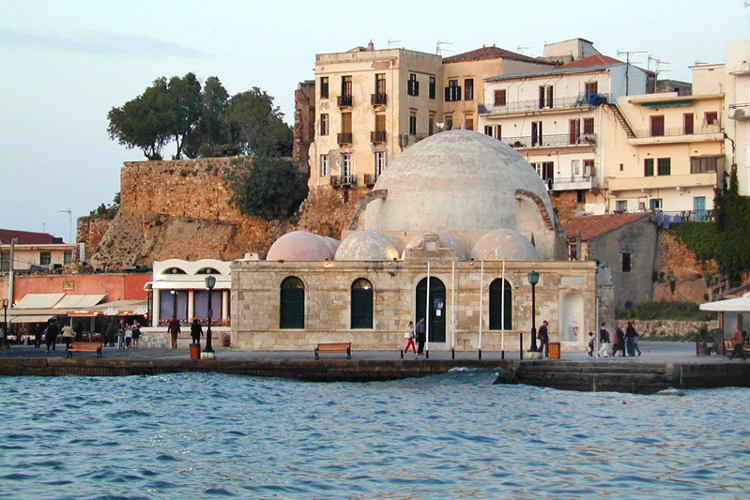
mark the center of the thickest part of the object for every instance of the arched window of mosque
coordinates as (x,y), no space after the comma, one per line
(496,305)
(174,270)
(292,303)
(361,302)
(208,270)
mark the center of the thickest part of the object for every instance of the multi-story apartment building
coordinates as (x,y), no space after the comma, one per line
(668,155)
(34,251)
(737,110)
(560,121)
(372,104)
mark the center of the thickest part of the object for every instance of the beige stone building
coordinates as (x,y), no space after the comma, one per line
(449,233)
(34,251)
(736,86)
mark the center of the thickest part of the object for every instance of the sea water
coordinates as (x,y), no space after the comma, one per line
(450,436)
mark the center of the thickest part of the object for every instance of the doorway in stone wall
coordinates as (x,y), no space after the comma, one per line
(437,305)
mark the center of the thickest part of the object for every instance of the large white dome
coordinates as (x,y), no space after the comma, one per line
(458,181)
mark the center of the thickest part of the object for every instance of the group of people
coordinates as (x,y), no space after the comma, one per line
(624,342)
(416,334)
(126,335)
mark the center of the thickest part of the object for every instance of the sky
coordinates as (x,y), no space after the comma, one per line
(65,64)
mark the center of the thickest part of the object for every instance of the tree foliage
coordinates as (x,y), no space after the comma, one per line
(266,186)
(201,122)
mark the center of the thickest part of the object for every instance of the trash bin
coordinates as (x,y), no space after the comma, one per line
(554,350)
(195,351)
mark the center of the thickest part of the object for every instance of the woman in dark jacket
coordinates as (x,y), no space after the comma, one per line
(196,331)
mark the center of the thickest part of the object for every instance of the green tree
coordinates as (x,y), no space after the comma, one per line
(186,111)
(144,122)
(257,125)
(266,186)
(213,136)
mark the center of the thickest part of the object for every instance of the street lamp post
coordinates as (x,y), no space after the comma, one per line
(5,318)
(210,282)
(533,280)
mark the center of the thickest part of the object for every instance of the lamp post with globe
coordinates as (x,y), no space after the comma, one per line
(533,280)
(210,283)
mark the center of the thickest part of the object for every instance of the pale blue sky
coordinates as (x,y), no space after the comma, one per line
(65,64)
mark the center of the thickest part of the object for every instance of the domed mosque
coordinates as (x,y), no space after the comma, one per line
(449,234)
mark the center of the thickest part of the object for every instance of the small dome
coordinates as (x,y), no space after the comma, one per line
(446,240)
(504,244)
(367,245)
(300,246)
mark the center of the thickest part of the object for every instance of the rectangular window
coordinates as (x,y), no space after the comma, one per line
(712,118)
(5,260)
(324,87)
(431,125)
(380,160)
(621,206)
(575,167)
(655,204)
(346,123)
(688,123)
(664,166)
(648,167)
(499,132)
(657,126)
(706,164)
(469,122)
(588,168)
(413,123)
(453,91)
(489,130)
(346,86)
(432,87)
(574,131)
(536,134)
(67,257)
(469,89)
(412,85)
(448,122)
(592,88)
(545,169)
(580,196)
(324,124)
(45,258)
(546,95)
(380,122)
(323,165)
(346,167)
(380,83)
(500,98)
(625,262)
(588,125)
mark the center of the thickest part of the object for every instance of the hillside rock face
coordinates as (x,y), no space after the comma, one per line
(680,276)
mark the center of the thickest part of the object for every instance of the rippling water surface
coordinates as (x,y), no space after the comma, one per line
(456,435)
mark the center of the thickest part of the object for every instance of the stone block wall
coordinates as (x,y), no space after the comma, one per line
(679,275)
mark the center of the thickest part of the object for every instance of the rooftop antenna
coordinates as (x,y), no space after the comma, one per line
(521,48)
(699,63)
(657,66)
(627,67)
(70,223)
(391,42)
(439,48)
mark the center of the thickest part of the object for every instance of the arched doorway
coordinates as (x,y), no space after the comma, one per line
(496,305)
(361,303)
(438,308)
(292,303)
(571,317)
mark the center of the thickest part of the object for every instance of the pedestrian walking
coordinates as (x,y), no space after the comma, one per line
(38,333)
(591,344)
(421,332)
(631,339)
(603,341)
(619,344)
(410,335)
(174,330)
(136,334)
(50,335)
(121,334)
(543,337)
(196,331)
(128,336)
(67,335)
(110,333)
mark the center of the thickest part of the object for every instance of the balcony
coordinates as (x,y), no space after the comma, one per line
(344,181)
(377,136)
(369,180)
(552,140)
(532,106)
(572,182)
(344,101)
(344,138)
(378,99)
(677,131)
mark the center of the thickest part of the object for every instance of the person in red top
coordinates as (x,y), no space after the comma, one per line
(174,330)
(739,343)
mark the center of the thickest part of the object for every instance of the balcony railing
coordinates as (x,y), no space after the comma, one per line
(344,101)
(562,183)
(377,136)
(552,140)
(666,218)
(344,181)
(344,138)
(378,99)
(583,100)
(671,132)
(369,180)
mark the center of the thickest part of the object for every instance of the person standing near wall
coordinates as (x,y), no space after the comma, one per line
(196,331)
(543,337)
(174,330)
(410,335)
(604,341)
(421,335)
(50,335)
(67,335)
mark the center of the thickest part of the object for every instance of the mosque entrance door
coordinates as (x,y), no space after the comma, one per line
(438,309)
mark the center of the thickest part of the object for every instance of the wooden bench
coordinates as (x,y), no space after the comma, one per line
(334,347)
(85,347)
(729,347)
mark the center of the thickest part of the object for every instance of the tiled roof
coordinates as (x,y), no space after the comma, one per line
(27,237)
(491,53)
(595,60)
(591,226)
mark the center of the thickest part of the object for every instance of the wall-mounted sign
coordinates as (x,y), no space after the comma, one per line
(68,285)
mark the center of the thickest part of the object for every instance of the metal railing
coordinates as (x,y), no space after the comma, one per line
(344,138)
(571,179)
(378,136)
(582,100)
(344,101)
(369,180)
(344,181)
(381,99)
(671,132)
(550,140)
(678,216)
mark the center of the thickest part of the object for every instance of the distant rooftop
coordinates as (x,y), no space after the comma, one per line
(27,237)
(486,53)
(591,226)
(595,60)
